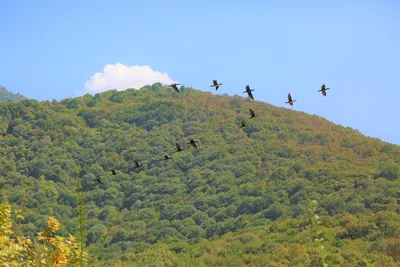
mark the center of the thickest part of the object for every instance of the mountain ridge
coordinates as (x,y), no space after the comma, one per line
(5,95)
(237,179)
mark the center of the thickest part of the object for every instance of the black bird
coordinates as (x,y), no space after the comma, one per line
(98,180)
(216,85)
(113,172)
(242,124)
(175,87)
(248,91)
(323,89)
(137,164)
(252,114)
(193,143)
(178,148)
(167,157)
(290,101)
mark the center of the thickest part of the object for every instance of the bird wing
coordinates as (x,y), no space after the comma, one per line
(250,95)
(252,112)
(289,97)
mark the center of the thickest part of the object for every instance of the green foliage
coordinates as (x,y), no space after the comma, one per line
(390,170)
(82,230)
(244,191)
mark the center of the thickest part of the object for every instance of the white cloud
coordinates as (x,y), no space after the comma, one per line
(119,76)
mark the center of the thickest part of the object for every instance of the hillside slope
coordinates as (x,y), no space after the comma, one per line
(236,180)
(6,95)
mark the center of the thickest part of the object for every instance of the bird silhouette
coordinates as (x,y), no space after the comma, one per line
(193,143)
(175,87)
(290,101)
(178,148)
(166,157)
(323,89)
(113,172)
(216,85)
(252,114)
(137,164)
(248,91)
(98,180)
(242,124)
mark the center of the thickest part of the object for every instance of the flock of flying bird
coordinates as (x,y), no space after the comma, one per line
(216,85)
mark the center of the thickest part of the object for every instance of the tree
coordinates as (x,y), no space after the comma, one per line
(45,249)
(390,170)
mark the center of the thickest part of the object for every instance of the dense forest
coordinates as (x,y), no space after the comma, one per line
(8,96)
(289,189)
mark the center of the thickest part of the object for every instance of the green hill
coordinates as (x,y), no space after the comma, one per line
(8,96)
(240,199)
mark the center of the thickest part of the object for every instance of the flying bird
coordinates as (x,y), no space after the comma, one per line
(167,157)
(252,114)
(248,91)
(215,84)
(98,180)
(137,164)
(242,124)
(193,143)
(175,87)
(113,172)
(323,89)
(290,101)
(178,148)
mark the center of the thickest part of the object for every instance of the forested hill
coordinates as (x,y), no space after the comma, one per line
(240,198)
(6,95)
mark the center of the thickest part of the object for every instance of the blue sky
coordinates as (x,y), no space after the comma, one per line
(50,49)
